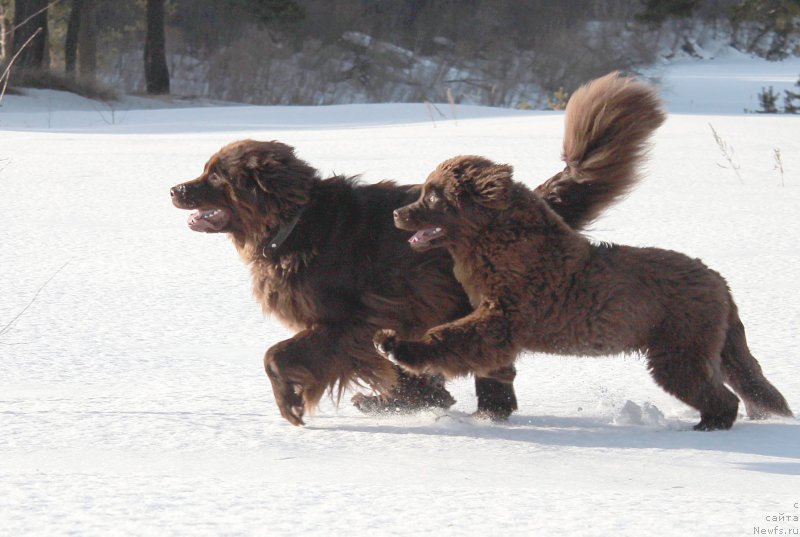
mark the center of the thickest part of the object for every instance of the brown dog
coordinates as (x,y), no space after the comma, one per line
(539,285)
(327,260)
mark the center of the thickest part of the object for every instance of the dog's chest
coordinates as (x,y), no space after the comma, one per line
(472,282)
(284,292)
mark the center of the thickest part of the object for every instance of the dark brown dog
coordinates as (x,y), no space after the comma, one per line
(539,285)
(324,260)
(327,260)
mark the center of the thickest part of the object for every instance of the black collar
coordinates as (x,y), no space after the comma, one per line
(280,237)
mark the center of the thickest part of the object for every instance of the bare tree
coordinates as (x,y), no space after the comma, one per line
(87,40)
(5,32)
(71,40)
(156,73)
(80,46)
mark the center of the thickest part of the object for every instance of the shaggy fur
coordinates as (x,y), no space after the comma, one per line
(340,269)
(608,123)
(539,285)
(335,278)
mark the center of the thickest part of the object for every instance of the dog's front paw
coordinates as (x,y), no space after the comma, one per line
(291,404)
(385,343)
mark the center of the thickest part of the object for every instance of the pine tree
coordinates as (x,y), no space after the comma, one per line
(774,19)
(791,100)
(768,100)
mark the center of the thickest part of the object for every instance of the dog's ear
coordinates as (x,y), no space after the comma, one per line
(267,168)
(492,187)
(281,175)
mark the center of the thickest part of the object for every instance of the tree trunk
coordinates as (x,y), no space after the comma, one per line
(71,42)
(87,40)
(5,33)
(30,16)
(156,74)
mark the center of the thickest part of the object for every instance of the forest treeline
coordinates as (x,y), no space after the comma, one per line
(496,52)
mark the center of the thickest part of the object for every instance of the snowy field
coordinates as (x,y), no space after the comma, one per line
(132,395)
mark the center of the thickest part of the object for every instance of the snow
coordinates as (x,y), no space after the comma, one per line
(132,396)
(728,82)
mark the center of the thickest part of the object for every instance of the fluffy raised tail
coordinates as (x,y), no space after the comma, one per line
(743,373)
(608,123)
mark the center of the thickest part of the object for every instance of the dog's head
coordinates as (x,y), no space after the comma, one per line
(459,197)
(248,189)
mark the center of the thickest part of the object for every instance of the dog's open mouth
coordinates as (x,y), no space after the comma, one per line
(426,238)
(209,220)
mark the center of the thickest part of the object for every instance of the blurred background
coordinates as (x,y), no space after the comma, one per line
(527,54)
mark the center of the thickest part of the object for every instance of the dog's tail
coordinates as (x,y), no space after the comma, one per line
(743,373)
(607,126)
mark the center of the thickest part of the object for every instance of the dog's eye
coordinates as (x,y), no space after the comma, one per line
(433,198)
(215,179)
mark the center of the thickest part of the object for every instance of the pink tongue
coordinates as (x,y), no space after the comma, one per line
(423,235)
(197,223)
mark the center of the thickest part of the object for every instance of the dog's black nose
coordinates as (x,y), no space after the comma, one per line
(396,215)
(176,190)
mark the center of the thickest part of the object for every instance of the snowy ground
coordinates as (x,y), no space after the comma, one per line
(132,396)
(726,82)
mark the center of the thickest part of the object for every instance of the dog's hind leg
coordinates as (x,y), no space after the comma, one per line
(695,378)
(412,393)
(743,373)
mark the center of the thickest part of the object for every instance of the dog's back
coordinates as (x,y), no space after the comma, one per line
(622,295)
